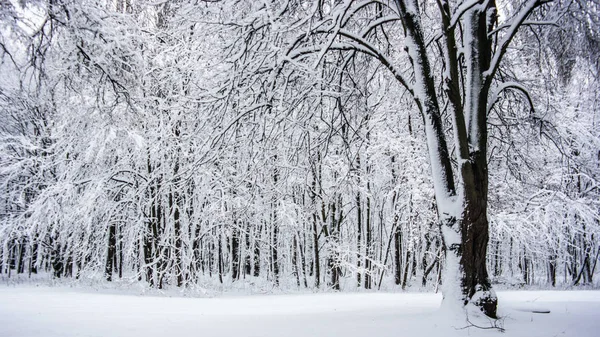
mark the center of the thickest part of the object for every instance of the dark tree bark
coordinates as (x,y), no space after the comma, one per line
(33,268)
(316,265)
(368,243)
(256,263)
(358,237)
(220,258)
(406,267)
(247,256)
(295,268)
(174,205)
(552,270)
(275,233)
(275,252)
(235,254)
(111,252)
(397,254)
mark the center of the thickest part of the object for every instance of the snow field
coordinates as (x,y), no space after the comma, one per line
(27,311)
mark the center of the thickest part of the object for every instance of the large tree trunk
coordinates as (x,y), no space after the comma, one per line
(474,172)
(463,218)
(475,237)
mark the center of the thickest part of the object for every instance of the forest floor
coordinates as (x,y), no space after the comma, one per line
(28,311)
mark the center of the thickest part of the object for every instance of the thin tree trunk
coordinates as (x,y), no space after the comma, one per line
(368,243)
(110,256)
(295,261)
(358,238)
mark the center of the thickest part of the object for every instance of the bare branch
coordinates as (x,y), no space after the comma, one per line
(517,22)
(509,85)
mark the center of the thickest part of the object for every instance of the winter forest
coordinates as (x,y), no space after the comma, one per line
(223,145)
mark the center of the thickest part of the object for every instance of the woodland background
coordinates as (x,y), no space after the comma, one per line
(175,144)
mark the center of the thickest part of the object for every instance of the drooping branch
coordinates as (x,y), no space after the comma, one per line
(509,85)
(512,30)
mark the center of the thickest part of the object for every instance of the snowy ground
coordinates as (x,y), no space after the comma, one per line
(52,312)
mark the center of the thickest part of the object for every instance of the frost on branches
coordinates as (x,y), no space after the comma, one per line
(235,145)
